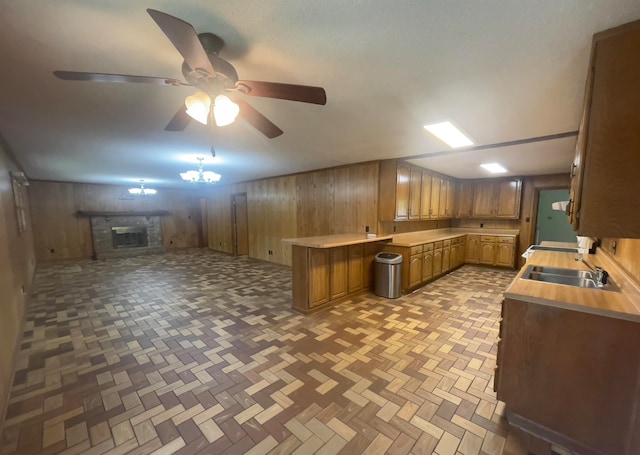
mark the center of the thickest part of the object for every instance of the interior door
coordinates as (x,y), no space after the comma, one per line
(240,224)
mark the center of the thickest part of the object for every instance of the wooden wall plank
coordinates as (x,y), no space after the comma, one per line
(17,264)
(60,234)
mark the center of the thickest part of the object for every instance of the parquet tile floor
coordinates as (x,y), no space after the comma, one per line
(199,353)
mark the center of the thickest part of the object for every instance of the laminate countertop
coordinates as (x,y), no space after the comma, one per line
(336,240)
(621,304)
(418,238)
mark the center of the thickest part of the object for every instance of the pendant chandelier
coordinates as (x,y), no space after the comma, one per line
(141,190)
(200,176)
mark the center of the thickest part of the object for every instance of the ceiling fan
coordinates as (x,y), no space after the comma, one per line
(213,76)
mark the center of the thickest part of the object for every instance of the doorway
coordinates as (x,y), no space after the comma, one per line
(553,225)
(240,224)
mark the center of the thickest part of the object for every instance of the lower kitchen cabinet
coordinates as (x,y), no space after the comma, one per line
(356,267)
(324,276)
(446,256)
(437,259)
(423,263)
(339,272)
(472,250)
(571,377)
(427,262)
(415,270)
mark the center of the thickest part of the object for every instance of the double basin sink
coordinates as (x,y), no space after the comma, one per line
(567,277)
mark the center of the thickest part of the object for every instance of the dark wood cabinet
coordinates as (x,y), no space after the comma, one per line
(497,198)
(605,174)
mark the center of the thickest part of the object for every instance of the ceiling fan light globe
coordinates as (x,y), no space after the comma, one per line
(149,191)
(198,106)
(225,111)
(135,190)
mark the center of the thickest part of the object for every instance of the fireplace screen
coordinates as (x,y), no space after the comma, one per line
(129,237)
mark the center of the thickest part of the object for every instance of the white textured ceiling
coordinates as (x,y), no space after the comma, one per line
(503,70)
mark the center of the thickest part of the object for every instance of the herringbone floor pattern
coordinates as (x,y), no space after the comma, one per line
(199,352)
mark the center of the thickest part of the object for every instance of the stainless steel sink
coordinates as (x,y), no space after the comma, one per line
(566,277)
(563,272)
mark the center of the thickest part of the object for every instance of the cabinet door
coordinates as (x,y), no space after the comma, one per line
(427,265)
(442,207)
(472,251)
(483,199)
(415,270)
(435,197)
(446,259)
(508,198)
(425,198)
(465,199)
(437,262)
(318,276)
(339,272)
(356,267)
(487,253)
(505,254)
(415,190)
(451,198)
(370,251)
(454,255)
(403,189)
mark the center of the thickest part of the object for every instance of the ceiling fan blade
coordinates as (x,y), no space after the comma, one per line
(259,121)
(302,93)
(179,121)
(184,38)
(103,77)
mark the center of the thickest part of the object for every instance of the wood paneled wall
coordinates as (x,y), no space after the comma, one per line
(627,255)
(17,264)
(330,201)
(60,234)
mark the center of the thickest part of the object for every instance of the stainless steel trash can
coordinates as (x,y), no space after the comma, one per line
(388,275)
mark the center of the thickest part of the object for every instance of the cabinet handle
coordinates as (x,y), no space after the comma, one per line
(572,172)
(567,210)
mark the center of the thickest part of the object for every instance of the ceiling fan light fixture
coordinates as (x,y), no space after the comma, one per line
(448,133)
(198,106)
(225,111)
(494,168)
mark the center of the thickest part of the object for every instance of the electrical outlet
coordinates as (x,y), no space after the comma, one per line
(366,229)
(481,224)
(394,228)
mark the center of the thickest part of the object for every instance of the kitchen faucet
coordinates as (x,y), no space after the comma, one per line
(601,275)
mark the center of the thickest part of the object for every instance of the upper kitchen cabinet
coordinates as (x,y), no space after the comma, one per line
(399,191)
(465,199)
(605,173)
(499,198)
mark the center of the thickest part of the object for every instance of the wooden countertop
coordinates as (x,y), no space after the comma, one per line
(622,305)
(336,240)
(410,239)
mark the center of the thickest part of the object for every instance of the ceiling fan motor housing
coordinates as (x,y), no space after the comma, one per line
(226,75)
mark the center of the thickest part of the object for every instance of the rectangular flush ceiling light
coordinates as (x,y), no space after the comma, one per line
(494,168)
(448,133)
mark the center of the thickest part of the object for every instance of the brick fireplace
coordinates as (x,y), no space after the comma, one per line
(123,235)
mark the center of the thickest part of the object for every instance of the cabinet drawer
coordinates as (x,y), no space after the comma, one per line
(506,239)
(427,247)
(487,238)
(437,244)
(416,250)
(446,243)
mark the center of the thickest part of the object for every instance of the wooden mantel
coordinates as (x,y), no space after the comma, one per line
(124,213)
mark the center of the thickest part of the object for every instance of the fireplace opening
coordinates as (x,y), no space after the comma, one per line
(129,237)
